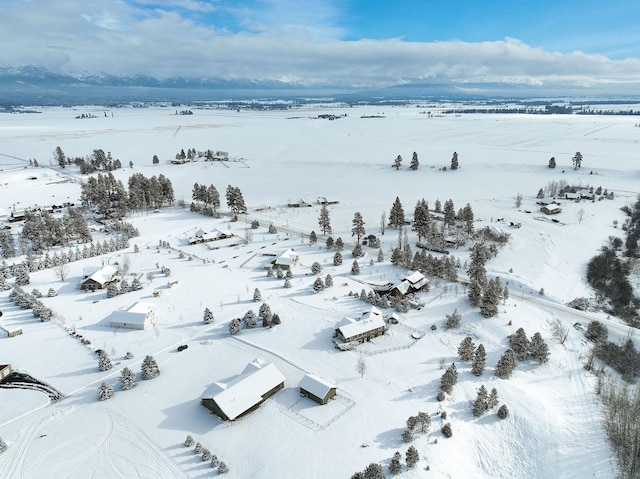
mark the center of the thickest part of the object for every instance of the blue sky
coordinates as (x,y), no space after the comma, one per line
(354,43)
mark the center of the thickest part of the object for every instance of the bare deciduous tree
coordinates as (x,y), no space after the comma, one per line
(361,366)
(559,331)
(580,215)
(62,271)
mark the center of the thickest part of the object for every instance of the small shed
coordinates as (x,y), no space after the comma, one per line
(286,260)
(245,392)
(551,209)
(139,316)
(5,371)
(318,389)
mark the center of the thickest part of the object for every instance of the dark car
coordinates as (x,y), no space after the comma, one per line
(182,348)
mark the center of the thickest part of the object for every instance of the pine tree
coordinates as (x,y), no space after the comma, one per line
(328,281)
(287,283)
(257,296)
(235,326)
(188,441)
(396,214)
(313,238)
(480,404)
(449,213)
(506,365)
(453,320)
(414,162)
(250,320)
(206,455)
(105,392)
(339,244)
(323,220)
(539,349)
(330,242)
(577,160)
(380,256)
(275,319)
(215,462)
(492,400)
(479,361)
(222,468)
(269,272)
(374,471)
(466,349)
(446,430)
(112,290)
(104,363)
(397,163)
(449,379)
(454,161)
(316,268)
(208,316)
(198,448)
(3,445)
(150,368)
(412,457)
(355,267)
(136,285)
(318,285)
(395,467)
(127,379)
(357,229)
(503,411)
(124,286)
(475,292)
(519,344)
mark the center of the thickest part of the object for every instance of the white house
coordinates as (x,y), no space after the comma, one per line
(245,392)
(286,260)
(139,316)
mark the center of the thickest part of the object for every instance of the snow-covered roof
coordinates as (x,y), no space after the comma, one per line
(103,275)
(403,287)
(137,313)
(246,390)
(416,279)
(287,258)
(369,321)
(316,385)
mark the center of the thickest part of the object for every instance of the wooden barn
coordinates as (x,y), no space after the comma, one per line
(370,325)
(245,392)
(98,278)
(138,316)
(318,389)
(5,371)
(551,209)
(411,284)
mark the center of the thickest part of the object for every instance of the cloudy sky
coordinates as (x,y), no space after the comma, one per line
(360,43)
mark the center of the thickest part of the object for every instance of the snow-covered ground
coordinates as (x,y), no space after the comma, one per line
(554,427)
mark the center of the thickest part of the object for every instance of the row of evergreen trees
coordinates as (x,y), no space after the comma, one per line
(207,455)
(97,160)
(25,300)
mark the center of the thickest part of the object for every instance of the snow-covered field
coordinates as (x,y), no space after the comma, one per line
(554,425)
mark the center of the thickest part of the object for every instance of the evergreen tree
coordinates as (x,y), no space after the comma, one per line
(503,411)
(539,349)
(397,163)
(356,252)
(7,244)
(206,455)
(215,462)
(257,296)
(235,326)
(412,457)
(519,344)
(380,256)
(104,363)
(577,160)
(396,215)
(474,292)
(355,267)
(269,272)
(22,275)
(468,218)
(287,283)
(208,316)
(421,220)
(198,448)
(506,365)
(449,379)
(449,213)
(453,321)
(188,441)
(112,290)
(479,361)
(275,319)
(124,286)
(374,471)
(313,238)
(339,244)
(222,468)
(492,400)
(414,162)
(105,392)
(127,379)
(454,161)
(596,332)
(250,319)
(289,274)
(318,285)
(136,285)
(489,302)
(480,404)
(552,162)
(3,445)
(466,349)
(357,229)
(328,281)
(395,467)
(330,242)
(324,221)
(316,268)
(150,368)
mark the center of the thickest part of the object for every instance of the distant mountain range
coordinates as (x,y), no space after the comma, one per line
(33,85)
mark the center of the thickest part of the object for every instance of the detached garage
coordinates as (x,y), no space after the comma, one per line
(138,316)
(318,389)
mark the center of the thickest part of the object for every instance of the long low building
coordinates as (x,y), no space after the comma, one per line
(245,392)
(138,316)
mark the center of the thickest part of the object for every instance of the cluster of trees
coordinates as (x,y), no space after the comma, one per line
(607,273)
(414,164)
(208,316)
(205,195)
(24,300)
(113,290)
(150,370)
(98,160)
(440,266)
(632,228)
(108,196)
(250,319)
(207,455)
(235,200)
(447,381)
(416,425)
(560,188)
(41,231)
(190,155)
(484,401)
(468,352)
(319,284)
(483,292)
(524,348)
(624,359)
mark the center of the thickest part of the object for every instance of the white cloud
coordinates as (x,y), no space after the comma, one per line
(291,44)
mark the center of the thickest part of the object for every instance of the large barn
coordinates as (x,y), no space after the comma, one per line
(245,392)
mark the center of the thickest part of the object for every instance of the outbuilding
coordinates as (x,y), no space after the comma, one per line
(5,371)
(98,278)
(370,325)
(139,316)
(318,389)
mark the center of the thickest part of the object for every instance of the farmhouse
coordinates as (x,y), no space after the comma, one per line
(286,260)
(369,325)
(551,209)
(325,200)
(202,236)
(301,203)
(245,392)
(318,389)
(5,371)
(98,278)
(411,284)
(139,316)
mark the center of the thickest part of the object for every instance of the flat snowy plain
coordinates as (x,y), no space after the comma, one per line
(554,427)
